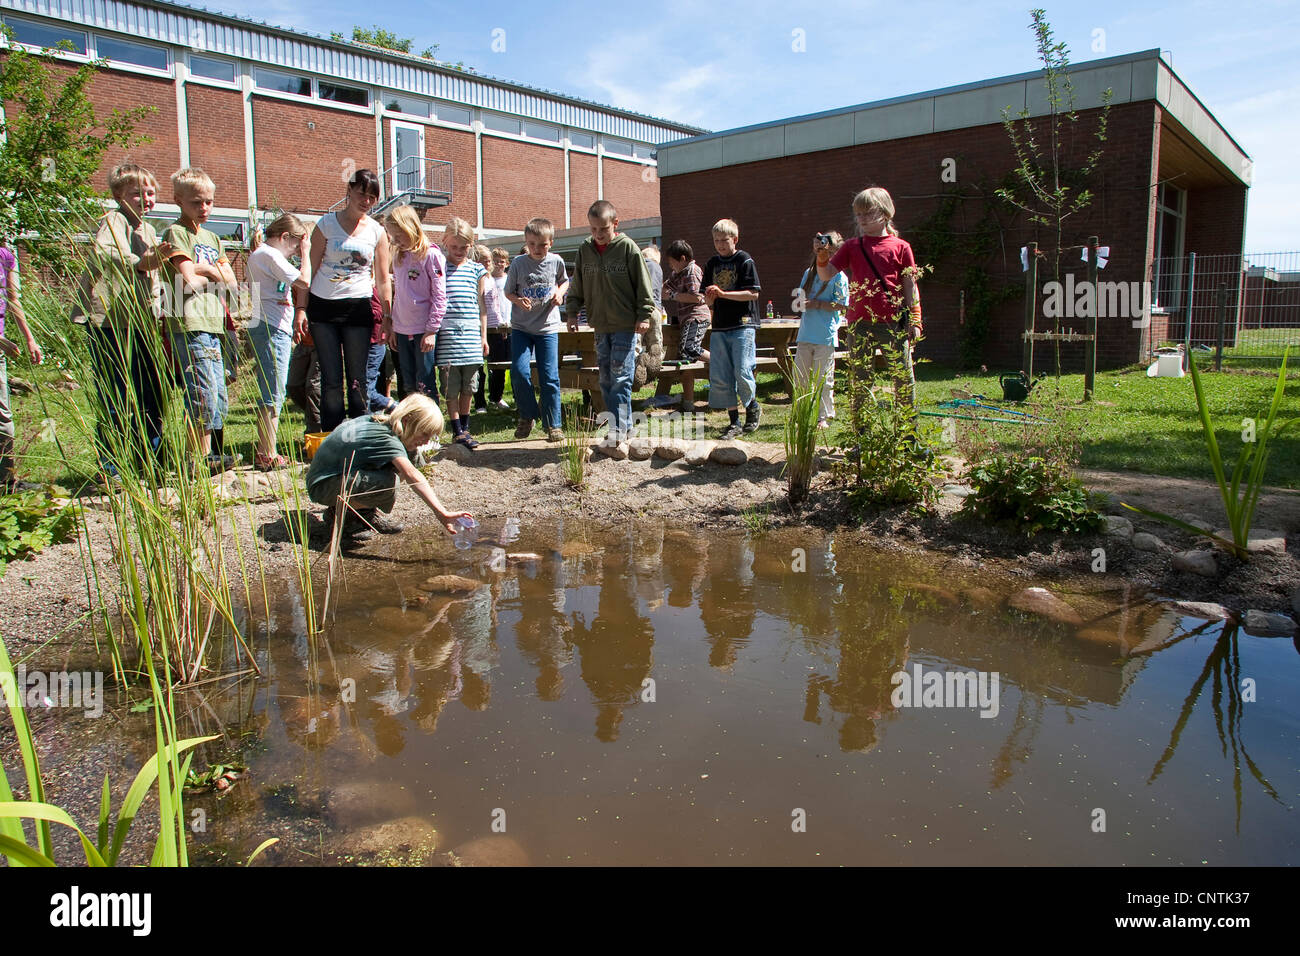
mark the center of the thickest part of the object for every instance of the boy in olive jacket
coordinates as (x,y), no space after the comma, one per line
(611,282)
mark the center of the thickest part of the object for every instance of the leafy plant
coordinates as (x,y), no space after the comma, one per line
(30,522)
(578,432)
(1033,494)
(1240,488)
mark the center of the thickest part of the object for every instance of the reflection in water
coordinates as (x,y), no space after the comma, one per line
(772,658)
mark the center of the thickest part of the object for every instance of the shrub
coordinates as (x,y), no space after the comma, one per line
(1031,493)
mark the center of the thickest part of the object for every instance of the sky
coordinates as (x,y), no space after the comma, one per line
(721,66)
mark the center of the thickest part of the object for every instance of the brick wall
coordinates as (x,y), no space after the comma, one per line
(521,181)
(781,204)
(216,130)
(582,187)
(633,196)
(302,169)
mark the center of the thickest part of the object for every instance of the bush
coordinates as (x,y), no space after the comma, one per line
(30,523)
(1033,494)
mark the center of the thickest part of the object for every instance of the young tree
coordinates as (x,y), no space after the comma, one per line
(1047,188)
(51,146)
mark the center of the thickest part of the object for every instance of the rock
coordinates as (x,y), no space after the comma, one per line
(1204,610)
(981,598)
(1196,562)
(451,584)
(1269,624)
(413,836)
(1114,526)
(1043,603)
(617,451)
(490,851)
(1099,635)
(21,385)
(728,455)
(1260,540)
(455,452)
(941,596)
(641,449)
(363,802)
(670,449)
(698,452)
(168,497)
(523,557)
(958,491)
(1295,601)
(1147,542)
(1193,519)
(768,454)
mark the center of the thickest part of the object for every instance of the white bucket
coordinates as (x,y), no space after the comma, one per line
(1169,366)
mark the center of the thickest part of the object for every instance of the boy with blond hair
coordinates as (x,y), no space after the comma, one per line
(611,282)
(536,283)
(731,290)
(119,306)
(196,272)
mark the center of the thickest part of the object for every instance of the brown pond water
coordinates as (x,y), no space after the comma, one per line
(673,697)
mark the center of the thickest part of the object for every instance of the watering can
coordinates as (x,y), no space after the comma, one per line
(1015,386)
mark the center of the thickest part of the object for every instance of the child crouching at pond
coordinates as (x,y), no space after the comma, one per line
(363,458)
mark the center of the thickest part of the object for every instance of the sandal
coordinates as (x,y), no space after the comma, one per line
(467,440)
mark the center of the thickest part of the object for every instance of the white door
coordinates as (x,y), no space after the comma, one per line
(408,157)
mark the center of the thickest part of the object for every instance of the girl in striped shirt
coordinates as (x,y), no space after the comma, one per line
(462,340)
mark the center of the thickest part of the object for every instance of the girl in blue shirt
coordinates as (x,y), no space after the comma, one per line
(823,294)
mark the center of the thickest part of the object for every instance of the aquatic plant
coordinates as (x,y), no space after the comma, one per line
(578,432)
(801,436)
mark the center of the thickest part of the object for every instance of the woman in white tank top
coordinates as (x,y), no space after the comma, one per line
(350,263)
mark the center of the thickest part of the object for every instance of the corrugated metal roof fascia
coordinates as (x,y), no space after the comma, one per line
(913,97)
(172,23)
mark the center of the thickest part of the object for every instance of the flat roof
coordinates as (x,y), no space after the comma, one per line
(1132,78)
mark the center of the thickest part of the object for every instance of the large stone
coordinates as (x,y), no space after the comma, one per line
(451,584)
(523,557)
(671,449)
(1205,610)
(698,452)
(615,450)
(1115,526)
(1196,562)
(455,452)
(981,599)
(640,449)
(21,386)
(1043,603)
(729,455)
(1269,624)
(1260,540)
(1193,519)
(1142,541)
(957,491)
(360,803)
(411,839)
(490,851)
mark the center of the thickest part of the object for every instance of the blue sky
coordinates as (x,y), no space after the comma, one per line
(727,65)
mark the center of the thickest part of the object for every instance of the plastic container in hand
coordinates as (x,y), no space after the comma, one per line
(466,534)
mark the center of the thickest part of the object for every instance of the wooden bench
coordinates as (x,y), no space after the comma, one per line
(688,374)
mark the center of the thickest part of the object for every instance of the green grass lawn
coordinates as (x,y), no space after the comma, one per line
(1135,424)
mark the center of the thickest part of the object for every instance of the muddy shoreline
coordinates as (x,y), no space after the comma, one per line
(46,600)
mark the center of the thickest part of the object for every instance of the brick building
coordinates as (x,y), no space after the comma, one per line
(1171,181)
(279,119)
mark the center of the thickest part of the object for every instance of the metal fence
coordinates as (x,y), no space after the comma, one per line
(1246,306)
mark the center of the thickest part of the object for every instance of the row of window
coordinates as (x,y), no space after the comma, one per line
(152,57)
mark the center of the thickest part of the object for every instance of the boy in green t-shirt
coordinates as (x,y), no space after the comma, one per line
(193,309)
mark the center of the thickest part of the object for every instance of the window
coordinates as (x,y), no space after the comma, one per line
(542,131)
(501,124)
(1171,213)
(128,51)
(454,114)
(618,147)
(406,104)
(228,230)
(282,82)
(582,140)
(41,35)
(343,94)
(207,67)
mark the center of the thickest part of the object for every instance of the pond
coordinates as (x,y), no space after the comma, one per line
(681,696)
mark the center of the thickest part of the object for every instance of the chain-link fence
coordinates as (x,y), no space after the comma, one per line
(1249,307)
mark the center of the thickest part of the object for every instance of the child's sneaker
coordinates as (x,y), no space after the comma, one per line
(382,522)
(466,439)
(524,428)
(555,434)
(822,424)
(731,431)
(752,416)
(503,405)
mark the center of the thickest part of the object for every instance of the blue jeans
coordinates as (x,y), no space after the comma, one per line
(338,346)
(378,401)
(271,348)
(616,357)
(124,363)
(522,346)
(731,368)
(199,354)
(418,372)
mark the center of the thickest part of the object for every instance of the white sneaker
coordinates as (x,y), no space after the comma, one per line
(503,404)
